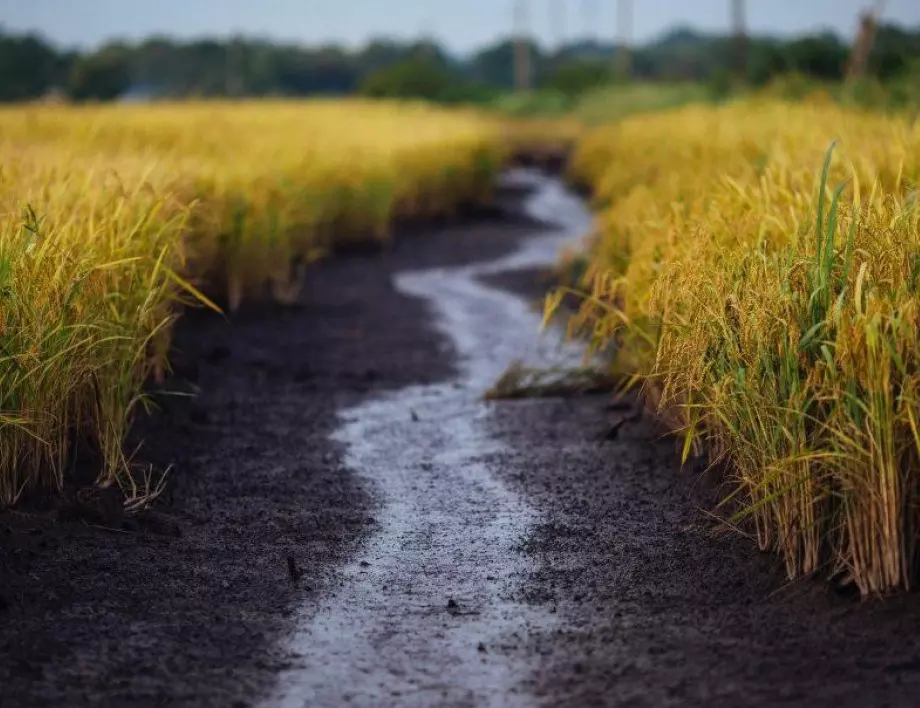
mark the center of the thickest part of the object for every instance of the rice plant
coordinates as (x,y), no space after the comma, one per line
(113,218)
(758,265)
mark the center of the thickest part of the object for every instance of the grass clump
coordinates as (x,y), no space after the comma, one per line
(521,381)
(113,218)
(771,307)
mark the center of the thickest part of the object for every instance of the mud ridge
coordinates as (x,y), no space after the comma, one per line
(353,525)
(658,603)
(188,608)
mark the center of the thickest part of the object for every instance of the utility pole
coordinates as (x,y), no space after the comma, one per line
(589,16)
(865,39)
(427,39)
(522,68)
(557,12)
(623,61)
(739,30)
(233,67)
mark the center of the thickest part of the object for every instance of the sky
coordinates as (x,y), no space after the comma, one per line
(461,25)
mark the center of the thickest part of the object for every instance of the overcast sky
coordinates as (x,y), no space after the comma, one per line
(462,25)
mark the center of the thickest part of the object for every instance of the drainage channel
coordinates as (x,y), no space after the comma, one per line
(427,614)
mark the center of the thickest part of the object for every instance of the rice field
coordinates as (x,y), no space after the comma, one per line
(112,218)
(757,266)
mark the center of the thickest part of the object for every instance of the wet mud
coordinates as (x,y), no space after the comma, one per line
(657,605)
(191,606)
(427,613)
(353,525)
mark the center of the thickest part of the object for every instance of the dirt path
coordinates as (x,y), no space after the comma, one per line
(352,525)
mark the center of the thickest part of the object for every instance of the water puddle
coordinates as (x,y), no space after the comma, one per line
(426,613)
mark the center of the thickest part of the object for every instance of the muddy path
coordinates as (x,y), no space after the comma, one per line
(426,613)
(353,525)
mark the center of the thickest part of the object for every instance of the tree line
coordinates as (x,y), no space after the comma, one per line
(32,68)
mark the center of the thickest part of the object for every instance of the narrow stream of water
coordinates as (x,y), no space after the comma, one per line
(427,614)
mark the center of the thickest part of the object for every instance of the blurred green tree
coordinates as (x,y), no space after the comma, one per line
(29,67)
(102,76)
(413,78)
(574,77)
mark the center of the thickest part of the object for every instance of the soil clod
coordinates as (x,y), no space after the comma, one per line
(104,506)
(613,432)
(218,354)
(293,570)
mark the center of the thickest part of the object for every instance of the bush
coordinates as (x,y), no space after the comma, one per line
(576,77)
(545,102)
(409,79)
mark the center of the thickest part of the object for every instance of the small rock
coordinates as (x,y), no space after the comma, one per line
(613,432)
(414,416)
(100,505)
(481,648)
(364,564)
(452,604)
(159,524)
(131,525)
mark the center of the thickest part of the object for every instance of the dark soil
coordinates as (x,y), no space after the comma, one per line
(659,605)
(184,606)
